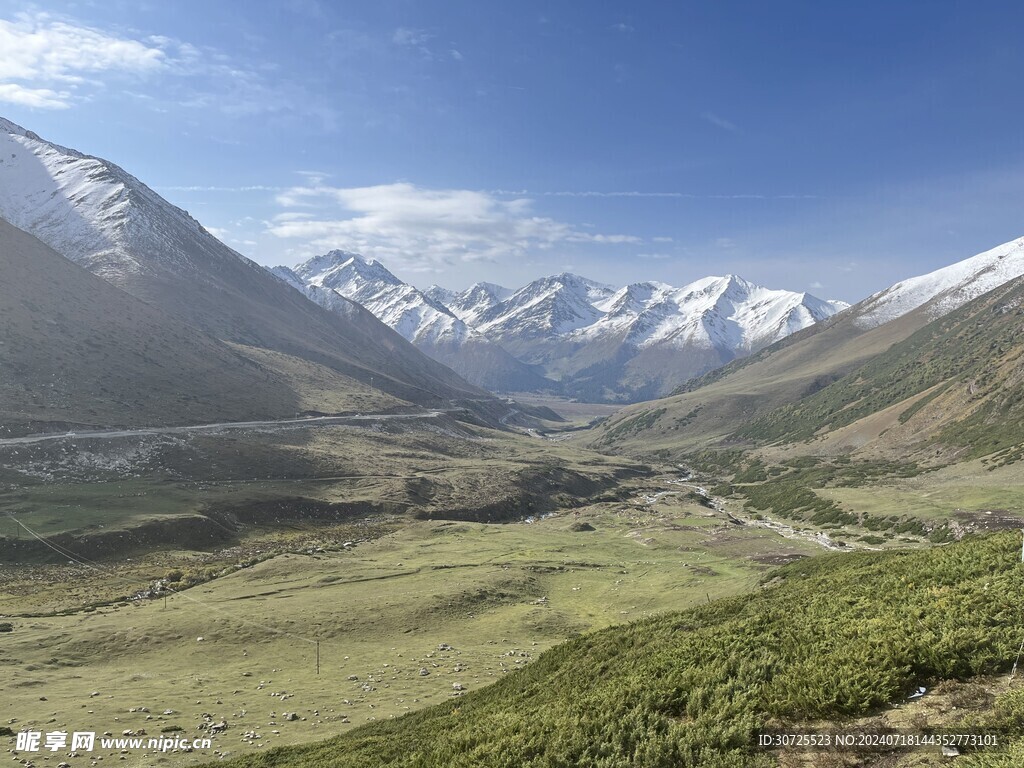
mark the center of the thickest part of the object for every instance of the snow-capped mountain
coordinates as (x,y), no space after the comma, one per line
(945,289)
(418,317)
(546,308)
(470,304)
(93,212)
(591,340)
(722,312)
(645,339)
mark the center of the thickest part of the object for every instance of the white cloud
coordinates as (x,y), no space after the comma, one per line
(233,190)
(219,232)
(410,36)
(456,54)
(422,229)
(720,122)
(639,194)
(816,285)
(51,62)
(38,50)
(39,98)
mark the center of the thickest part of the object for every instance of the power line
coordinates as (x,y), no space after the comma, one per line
(93,565)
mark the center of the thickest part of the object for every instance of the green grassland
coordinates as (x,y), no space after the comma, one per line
(836,637)
(499,595)
(86,486)
(975,348)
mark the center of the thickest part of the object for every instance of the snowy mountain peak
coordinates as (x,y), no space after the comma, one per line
(420,316)
(345,271)
(945,289)
(96,213)
(6,126)
(473,302)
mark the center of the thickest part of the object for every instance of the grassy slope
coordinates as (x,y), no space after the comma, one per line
(975,351)
(834,637)
(429,467)
(381,610)
(78,350)
(720,402)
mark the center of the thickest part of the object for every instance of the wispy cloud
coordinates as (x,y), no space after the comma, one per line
(39,52)
(411,36)
(719,122)
(422,229)
(198,188)
(640,194)
(52,62)
(622,27)
(219,232)
(38,98)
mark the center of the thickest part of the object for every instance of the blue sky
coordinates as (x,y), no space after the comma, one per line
(830,147)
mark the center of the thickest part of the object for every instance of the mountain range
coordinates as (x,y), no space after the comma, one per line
(568,334)
(339,276)
(930,365)
(299,355)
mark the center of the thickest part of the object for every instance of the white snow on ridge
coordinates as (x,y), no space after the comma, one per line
(471,304)
(94,212)
(721,312)
(947,288)
(416,316)
(728,313)
(549,306)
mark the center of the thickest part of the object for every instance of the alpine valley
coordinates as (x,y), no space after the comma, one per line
(286,511)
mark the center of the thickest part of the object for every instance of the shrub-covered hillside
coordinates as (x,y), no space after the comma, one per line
(830,637)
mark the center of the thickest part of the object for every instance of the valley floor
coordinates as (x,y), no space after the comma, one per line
(413,614)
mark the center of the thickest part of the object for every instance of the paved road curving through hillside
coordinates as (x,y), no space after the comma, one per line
(313,421)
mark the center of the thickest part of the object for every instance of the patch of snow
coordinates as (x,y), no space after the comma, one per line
(947,288)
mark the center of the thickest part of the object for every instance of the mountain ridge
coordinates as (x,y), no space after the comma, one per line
(716,407)
(574,335)
(420,319)
(98,215)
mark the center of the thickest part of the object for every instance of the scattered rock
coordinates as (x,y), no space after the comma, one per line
(424,671)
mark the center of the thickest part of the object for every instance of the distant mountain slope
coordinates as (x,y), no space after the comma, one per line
(101,217)
(722,401)
(77,351)
(957,382)
(422,320)
(470,304)
(645,339)
(947,288)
